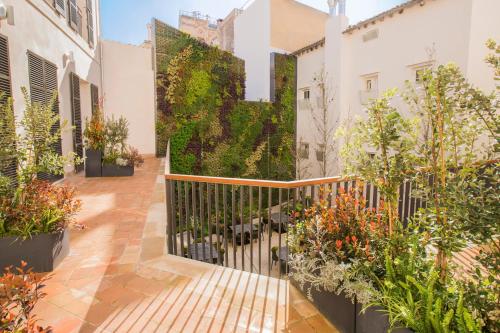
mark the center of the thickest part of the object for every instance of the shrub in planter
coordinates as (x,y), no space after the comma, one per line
(34,214)
(119,159)
(94,145)
(33,225)
(20,290)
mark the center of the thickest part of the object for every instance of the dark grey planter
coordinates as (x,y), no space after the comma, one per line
(339,310)
(346,316)
(41,252)
(113,170)
(93,163)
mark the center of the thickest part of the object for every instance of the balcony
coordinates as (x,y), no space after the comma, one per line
(118,277)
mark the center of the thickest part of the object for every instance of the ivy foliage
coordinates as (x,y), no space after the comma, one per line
(201,110)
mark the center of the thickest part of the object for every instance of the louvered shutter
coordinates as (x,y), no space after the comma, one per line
(60,7)
(43,84)
(94,97)
(9,164)
(76,118)
(90,23)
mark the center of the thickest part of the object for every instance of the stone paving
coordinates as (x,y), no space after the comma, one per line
(118,279)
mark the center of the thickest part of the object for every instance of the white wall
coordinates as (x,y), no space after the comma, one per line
(252,40)
(37,28)
(129,91)
(308,66)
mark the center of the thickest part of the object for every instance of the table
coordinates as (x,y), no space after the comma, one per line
(198,247)
(247,228)
(275,222)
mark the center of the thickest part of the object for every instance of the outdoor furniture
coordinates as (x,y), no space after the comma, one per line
(275,222)
(247,229)
(195,252)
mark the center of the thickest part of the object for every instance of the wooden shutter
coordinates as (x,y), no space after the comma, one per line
(43,84)
(94,97)
(76,118)
(60,7)
(90,23)
(8,166)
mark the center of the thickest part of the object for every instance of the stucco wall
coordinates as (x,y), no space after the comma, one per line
(129,91)
(436,33)
(40,30)
(309,65)
(252,40)
(294,25)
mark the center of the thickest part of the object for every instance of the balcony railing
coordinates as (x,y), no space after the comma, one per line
(243,223)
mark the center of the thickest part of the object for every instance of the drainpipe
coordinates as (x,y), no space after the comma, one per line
(100,50)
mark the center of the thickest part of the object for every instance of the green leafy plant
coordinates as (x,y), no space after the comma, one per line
(20,290)
(116,135)
(95,131)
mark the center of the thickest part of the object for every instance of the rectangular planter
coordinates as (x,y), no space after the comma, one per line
(339,310)
(346,316)
(93,163)
(113,170)
(41,252)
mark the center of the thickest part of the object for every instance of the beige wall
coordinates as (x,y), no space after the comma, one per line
(129,91)
(294,25)
(199,28)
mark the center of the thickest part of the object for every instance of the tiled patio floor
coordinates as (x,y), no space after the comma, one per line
(117,278)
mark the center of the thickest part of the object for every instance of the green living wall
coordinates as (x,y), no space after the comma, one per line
(201,110)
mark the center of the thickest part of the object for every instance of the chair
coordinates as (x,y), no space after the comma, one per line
(274,255)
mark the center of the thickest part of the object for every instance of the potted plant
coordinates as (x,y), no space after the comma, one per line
(35,214)
(94,146)
(119,159)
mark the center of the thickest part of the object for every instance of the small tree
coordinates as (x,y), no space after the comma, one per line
(35,149)
(381,150)
(324,122)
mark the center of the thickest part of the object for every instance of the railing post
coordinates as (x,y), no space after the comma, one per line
(168,193)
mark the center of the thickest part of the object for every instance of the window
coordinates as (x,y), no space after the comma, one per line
(307,94)
(90,23)
(60,7)
(304,150)
(320,153)
(8,164)
(419,73)
(369,85)
(74,16)
(43,84)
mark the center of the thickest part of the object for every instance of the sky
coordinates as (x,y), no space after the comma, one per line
(125,20)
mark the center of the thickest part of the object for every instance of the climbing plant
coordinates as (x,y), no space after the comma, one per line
(201,110)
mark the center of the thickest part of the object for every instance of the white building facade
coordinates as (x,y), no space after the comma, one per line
(363,61)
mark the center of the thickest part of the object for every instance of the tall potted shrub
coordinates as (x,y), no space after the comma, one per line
(95,136)
(35,214)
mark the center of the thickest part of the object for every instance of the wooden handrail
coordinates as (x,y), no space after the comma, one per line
(257,182)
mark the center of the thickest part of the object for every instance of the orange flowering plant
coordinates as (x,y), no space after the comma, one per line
(334,240)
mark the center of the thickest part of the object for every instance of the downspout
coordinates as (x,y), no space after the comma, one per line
(100,51)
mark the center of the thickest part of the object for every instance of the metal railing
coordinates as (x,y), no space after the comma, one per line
(243,223)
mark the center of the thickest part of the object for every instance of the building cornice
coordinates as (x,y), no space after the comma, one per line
(310,47)
(380,17)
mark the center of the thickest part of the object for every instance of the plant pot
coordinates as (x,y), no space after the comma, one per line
(41,252)
(372,320)
(93,163)
(338,309)
(113,170)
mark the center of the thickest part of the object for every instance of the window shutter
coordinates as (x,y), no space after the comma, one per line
(60,7)
(76,118)
(43,83)
(94,97)
(8,166)
(90,23)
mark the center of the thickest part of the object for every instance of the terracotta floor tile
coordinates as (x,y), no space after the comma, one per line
(117,278)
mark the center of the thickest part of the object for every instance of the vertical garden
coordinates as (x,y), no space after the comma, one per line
(201,110)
